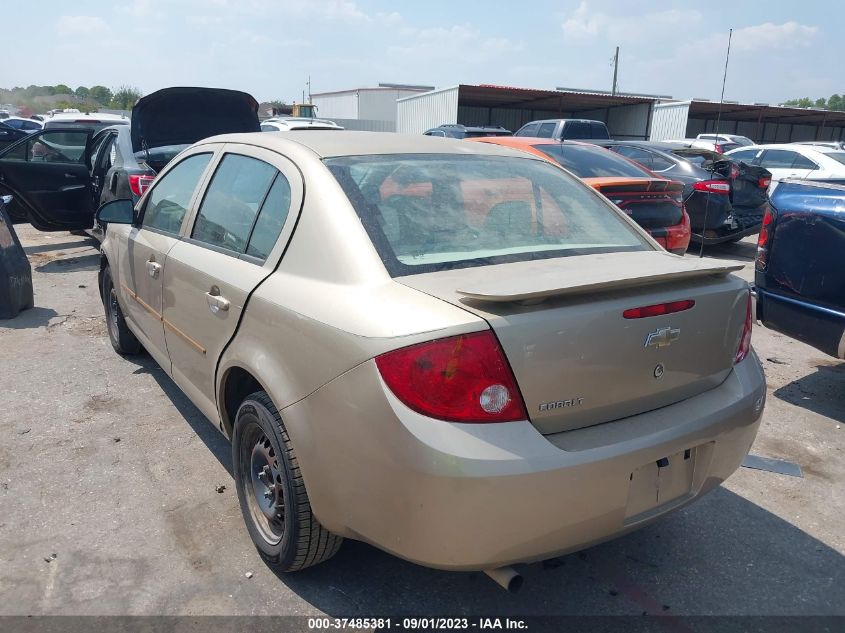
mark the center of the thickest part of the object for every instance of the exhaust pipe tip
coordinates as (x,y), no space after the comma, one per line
(506,577)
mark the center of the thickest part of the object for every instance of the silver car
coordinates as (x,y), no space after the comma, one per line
(455,351)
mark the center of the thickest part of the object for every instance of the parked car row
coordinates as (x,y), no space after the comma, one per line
(655,203)
(712,198)
(725,199)
(60,175)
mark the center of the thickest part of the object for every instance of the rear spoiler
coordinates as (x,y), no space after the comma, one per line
(602,273)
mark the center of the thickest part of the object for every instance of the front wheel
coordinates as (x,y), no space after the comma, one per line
(271,491)
(121,337)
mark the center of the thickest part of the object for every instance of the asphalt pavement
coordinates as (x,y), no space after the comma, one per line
(116,497)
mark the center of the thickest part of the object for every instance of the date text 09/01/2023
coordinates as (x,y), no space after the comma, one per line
(415,624)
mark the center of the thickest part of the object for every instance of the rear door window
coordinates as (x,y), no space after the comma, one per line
(641,156)
(546,130)
(747,155)
(271,219)
(598,130)
(777,159)
(231,202)
(802,162)
(576,129)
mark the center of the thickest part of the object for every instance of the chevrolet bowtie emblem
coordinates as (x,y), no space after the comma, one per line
(662,337)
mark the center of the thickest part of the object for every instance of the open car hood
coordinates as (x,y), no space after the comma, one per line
(182,116)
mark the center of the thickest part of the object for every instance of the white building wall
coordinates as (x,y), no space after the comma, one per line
(366,125)
(420,112)
(339,105)
(669,121)
(380,104)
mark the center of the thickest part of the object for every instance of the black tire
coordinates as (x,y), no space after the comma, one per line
(122,339)
(278,515)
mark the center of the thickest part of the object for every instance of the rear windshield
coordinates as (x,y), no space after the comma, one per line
(837,156)
(588,161)
(698,156)
(428,212)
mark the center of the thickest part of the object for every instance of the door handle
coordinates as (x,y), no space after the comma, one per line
(215,301)
(69,175)
(153,269)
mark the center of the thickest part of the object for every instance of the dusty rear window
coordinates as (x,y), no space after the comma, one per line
(434,212)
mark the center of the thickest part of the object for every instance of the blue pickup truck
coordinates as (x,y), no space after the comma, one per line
(800,267)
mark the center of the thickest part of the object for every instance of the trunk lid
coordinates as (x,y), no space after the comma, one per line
(576,359)
(651,202)
(184,115)
(747,194)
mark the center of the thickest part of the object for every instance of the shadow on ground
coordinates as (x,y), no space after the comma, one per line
(732,250)
(29,319)
(57,246)
(723,555)
(822,392)
(211,437)
(71,264)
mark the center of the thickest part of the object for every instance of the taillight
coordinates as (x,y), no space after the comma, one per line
(745,340)
(764,182)
(462,378)
(658,309)
(713,186)
(139,184)
(763,239)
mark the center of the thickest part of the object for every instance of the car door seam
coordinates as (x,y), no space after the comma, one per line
(256,287)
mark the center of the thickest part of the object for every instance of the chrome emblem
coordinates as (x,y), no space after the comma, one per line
(658,371)
(662,337)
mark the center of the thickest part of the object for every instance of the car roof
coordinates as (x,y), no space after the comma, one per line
(328,143)
(795,147)
(527,141)
(101,116)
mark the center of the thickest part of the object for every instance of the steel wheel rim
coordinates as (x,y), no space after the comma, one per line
(113,309)
(262,484)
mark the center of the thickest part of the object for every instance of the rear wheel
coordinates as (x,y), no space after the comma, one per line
(121,337)
(271,491)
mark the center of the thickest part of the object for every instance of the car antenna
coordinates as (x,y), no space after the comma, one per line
(718,123)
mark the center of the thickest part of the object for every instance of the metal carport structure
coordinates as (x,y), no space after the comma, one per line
(760,122)
(627,116)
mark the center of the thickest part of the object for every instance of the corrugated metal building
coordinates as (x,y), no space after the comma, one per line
(365,108)
(627,116)
(760,122)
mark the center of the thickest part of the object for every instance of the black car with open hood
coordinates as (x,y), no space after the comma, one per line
(185,115)
(60,176)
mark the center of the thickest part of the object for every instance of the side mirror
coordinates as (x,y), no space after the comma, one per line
(117,212)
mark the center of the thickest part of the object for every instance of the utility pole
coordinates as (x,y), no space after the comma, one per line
(615,70)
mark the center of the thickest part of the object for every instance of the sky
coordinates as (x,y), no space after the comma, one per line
(780,48)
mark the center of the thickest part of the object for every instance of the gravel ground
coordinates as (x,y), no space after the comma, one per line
(109,501)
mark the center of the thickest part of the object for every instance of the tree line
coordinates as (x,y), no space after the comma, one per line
(90,98)
(834,102)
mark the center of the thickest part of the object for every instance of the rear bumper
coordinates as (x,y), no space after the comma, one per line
(815,325)
(462,496)
(674,239)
